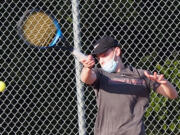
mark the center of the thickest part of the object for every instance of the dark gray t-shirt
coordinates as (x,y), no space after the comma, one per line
(121,100)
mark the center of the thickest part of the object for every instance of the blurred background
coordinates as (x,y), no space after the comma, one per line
(41,97)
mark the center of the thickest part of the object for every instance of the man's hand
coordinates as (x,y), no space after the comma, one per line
(88,76)
(89,62)
(155,77)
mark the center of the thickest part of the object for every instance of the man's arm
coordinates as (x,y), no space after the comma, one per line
(88,76)
(166,88)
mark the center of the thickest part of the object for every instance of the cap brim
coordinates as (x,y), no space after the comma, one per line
(99,51)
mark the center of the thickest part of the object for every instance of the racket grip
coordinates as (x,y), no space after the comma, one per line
(79,55)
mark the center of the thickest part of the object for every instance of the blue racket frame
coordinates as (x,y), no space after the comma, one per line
(58,35)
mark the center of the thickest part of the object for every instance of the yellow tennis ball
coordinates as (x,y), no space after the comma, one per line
(2,86)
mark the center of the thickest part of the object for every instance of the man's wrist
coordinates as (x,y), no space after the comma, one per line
(87,67)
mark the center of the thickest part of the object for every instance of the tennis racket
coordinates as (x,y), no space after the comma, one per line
(41,29)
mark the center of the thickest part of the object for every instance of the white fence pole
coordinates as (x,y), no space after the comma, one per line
(79,86)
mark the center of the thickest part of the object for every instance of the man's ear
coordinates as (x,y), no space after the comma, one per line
(118,51)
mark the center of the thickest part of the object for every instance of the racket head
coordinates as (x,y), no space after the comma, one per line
(39,29)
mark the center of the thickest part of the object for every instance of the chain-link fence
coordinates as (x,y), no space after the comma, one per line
(41,98)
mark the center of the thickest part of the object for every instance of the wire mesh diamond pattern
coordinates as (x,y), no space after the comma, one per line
(40,97)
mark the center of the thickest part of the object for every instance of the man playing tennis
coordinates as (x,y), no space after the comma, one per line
(122,92)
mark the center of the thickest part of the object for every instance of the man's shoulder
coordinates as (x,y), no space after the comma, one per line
(132,71)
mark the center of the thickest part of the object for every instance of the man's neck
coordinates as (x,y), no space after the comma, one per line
(120,66)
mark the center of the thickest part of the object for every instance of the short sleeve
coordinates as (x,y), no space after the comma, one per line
(149,83)
(96,84)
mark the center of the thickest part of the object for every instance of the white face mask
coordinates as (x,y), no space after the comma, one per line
(110,66)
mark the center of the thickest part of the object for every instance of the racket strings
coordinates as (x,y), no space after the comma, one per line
(39,29)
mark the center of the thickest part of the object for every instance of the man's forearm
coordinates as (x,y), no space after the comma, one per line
(87,75)
(169,90)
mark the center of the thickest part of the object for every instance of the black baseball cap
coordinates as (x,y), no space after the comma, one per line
(103,44)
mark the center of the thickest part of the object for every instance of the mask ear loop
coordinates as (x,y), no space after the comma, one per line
(114,55)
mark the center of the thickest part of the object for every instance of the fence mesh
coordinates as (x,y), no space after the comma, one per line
(40,97)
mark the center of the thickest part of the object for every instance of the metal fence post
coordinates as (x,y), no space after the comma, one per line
(79,87)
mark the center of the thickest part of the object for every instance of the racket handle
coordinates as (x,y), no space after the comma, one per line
(79,55)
